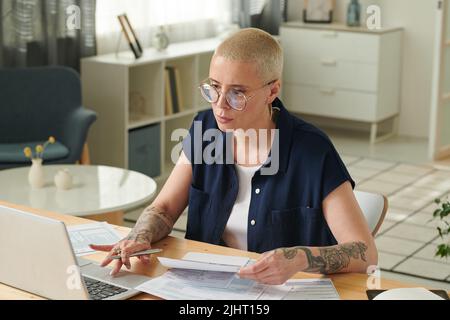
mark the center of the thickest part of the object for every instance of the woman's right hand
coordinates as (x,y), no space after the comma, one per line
(124,247)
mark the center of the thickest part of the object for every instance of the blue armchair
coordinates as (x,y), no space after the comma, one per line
(39,102)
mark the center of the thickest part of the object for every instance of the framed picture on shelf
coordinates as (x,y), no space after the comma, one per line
(318,11)
(130,35)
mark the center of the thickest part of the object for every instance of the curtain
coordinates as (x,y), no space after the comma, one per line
(184,20)
(46,32)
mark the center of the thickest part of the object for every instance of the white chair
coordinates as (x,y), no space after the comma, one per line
(374,207)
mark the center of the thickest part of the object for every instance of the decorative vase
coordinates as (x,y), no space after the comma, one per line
(160,40)
(63,180)
(36,176)
(354,14)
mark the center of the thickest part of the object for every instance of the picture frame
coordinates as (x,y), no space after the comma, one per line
(130,35)
(318,11)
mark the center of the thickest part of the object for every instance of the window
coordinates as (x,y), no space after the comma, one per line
(150,13)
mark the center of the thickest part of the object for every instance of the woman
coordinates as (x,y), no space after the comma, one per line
(286,193)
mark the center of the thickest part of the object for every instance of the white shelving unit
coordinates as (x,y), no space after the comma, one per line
(112,84)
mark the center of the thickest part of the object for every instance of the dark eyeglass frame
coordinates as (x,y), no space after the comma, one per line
(207,82)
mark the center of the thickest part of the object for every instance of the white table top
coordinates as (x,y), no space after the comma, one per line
(95,190)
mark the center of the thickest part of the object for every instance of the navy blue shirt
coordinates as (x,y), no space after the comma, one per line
(286,211)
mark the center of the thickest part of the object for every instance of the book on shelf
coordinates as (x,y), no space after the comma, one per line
(168,97)
(172,90)
(179,91)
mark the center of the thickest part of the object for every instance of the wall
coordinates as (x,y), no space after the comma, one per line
(417,17)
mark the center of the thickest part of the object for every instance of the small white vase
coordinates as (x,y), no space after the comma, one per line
(36,176)
(63,180)
(160,40)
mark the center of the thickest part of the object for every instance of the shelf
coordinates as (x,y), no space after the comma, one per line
(131,99)
(186,68)
(136,121)
(171,126)
(145,87)
(180,114)
(151,55)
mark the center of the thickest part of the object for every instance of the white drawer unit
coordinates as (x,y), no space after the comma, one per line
(343,73)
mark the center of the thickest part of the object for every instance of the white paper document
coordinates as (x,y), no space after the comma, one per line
(206,262)
(302,289)
(205,284)
(83,235)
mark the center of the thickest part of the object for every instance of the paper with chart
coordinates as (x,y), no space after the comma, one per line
(92,233)
(201,284)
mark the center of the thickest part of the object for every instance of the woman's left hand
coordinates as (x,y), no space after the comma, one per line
(274,267)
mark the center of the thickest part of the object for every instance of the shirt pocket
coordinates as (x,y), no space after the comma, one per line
(300,226)
(199,205)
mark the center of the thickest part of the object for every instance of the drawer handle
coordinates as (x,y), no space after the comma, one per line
(328,91)
(329,34)
(329,62)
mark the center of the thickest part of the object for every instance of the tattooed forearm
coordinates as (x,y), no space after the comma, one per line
(330,259)
(152,226)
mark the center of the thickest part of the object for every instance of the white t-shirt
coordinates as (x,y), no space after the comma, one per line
(235,234)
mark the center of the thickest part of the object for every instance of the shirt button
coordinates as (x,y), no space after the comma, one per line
(257,191)
(253,222)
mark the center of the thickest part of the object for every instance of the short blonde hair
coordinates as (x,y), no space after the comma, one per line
(254,45)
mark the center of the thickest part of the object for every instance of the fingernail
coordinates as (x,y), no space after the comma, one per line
(111,273)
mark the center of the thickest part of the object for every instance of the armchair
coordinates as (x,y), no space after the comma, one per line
(39,102)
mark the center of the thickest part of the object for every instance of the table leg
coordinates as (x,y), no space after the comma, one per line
(115,218)
(373,132)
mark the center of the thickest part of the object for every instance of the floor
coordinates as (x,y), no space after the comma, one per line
(408,237)
(399,169)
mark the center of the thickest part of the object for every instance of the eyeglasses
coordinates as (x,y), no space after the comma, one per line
(236,99)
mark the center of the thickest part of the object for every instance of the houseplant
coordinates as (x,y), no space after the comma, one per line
(442,213)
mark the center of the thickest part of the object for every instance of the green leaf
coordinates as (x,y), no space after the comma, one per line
(437,200)
(440,232)
(443,251)
(436,213)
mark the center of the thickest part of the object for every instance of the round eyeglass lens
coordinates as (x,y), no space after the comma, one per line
(236,100)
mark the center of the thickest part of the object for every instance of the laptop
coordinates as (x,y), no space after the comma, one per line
(37,256)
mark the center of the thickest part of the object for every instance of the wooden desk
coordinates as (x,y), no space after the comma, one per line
(349,286)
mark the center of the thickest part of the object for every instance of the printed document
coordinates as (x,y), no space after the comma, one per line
(196,277)
(92,233)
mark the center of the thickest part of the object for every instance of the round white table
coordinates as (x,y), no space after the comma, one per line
(98,192)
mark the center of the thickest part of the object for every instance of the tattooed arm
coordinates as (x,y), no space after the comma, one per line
(153,225)
(340,258)
(277,266)
(355,251)
(157,220)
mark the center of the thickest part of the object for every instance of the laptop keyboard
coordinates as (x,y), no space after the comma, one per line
(99,290)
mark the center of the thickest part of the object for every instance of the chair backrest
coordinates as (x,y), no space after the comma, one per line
(36,101)
(374,207)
